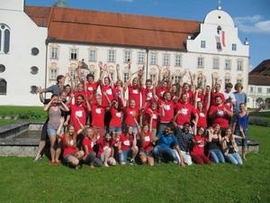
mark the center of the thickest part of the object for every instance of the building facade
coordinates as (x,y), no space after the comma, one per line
(47,41)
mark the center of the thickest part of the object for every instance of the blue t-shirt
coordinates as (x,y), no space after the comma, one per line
(239,98)
(167,140)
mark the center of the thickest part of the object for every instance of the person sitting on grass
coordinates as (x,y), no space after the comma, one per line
(197,152)
(71,154)
(105,150)
(230,148)
(88,142)
(166,143)
(213,144)
(127,146)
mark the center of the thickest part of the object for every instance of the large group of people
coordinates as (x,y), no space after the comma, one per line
(104,123)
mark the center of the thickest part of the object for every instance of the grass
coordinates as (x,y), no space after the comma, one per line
(25,181)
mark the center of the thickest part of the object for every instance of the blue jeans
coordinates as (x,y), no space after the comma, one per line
(159,150)
(242,142)
(217,156)
(123,156)
(234,158)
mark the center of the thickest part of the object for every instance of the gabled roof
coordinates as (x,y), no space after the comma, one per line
(116,29)
(40,15)
(261,74)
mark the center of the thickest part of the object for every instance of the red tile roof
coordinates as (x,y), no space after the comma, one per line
(40,15)
(261,74)
(115,29)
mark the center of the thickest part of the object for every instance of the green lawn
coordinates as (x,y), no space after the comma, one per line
(25,181)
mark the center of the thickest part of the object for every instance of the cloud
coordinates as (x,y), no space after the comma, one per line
(253,24)
(129,1)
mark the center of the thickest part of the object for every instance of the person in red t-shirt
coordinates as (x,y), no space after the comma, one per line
(88,142)
(147,93)
(169,106)
(127,146)
(197,152)
(146,145)
(78,108)
(131,114)
(185,111)
(105,150)
(117,117)
(98,115)
(91,86)
(220,114)
(202,111)
(71,154)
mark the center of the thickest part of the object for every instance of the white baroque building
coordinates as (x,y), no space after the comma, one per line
(38,43)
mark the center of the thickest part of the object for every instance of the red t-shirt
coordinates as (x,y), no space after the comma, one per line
(126,142)
(147,143)
(88,143)
(186,111)
(80,112)
(116,120)
(161,90)
(202,118)
(102,145)
(98,113)
(148,114)
(168,111)
(219,116)
(135,94)
(129,119)
(69,147)
(106,89)
(91,88)
(147,95)
(198,149)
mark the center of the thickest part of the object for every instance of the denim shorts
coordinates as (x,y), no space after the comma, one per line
(51,131)
(115,129)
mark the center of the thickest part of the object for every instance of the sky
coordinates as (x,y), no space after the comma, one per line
(252,17)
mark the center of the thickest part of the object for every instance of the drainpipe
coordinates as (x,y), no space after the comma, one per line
(146,68)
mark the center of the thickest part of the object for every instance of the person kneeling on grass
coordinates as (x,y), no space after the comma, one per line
(230,148)
(89,140)
(167,145)
(197,152)
(71,154)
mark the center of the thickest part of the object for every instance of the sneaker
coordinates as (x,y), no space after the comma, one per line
(131,161)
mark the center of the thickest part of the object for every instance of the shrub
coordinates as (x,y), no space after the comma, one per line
(260,121)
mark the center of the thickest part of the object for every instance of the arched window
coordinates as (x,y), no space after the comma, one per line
(3,86)
(4,38)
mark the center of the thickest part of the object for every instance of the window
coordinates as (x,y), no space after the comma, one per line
(34,51)
(177,60)
(2,68)
(54,53)
(141,57)
(259,90)
(166,59)
(219,45)
(216,64)
(111,55)
(53,74)
(34,70)
(228,64)
(203,44)
(153,59)
(73,54)
(239,65)
(200,62)
(233,47)
(177,79)
(251,89)
(227,80)
(111,75)
(153,77)
(239,81)
(4,39)
(92,55)
(127,56)
(268,90)
(126,77)
(3,86)
(33,89)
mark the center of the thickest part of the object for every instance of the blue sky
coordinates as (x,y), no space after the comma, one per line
(252,17)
